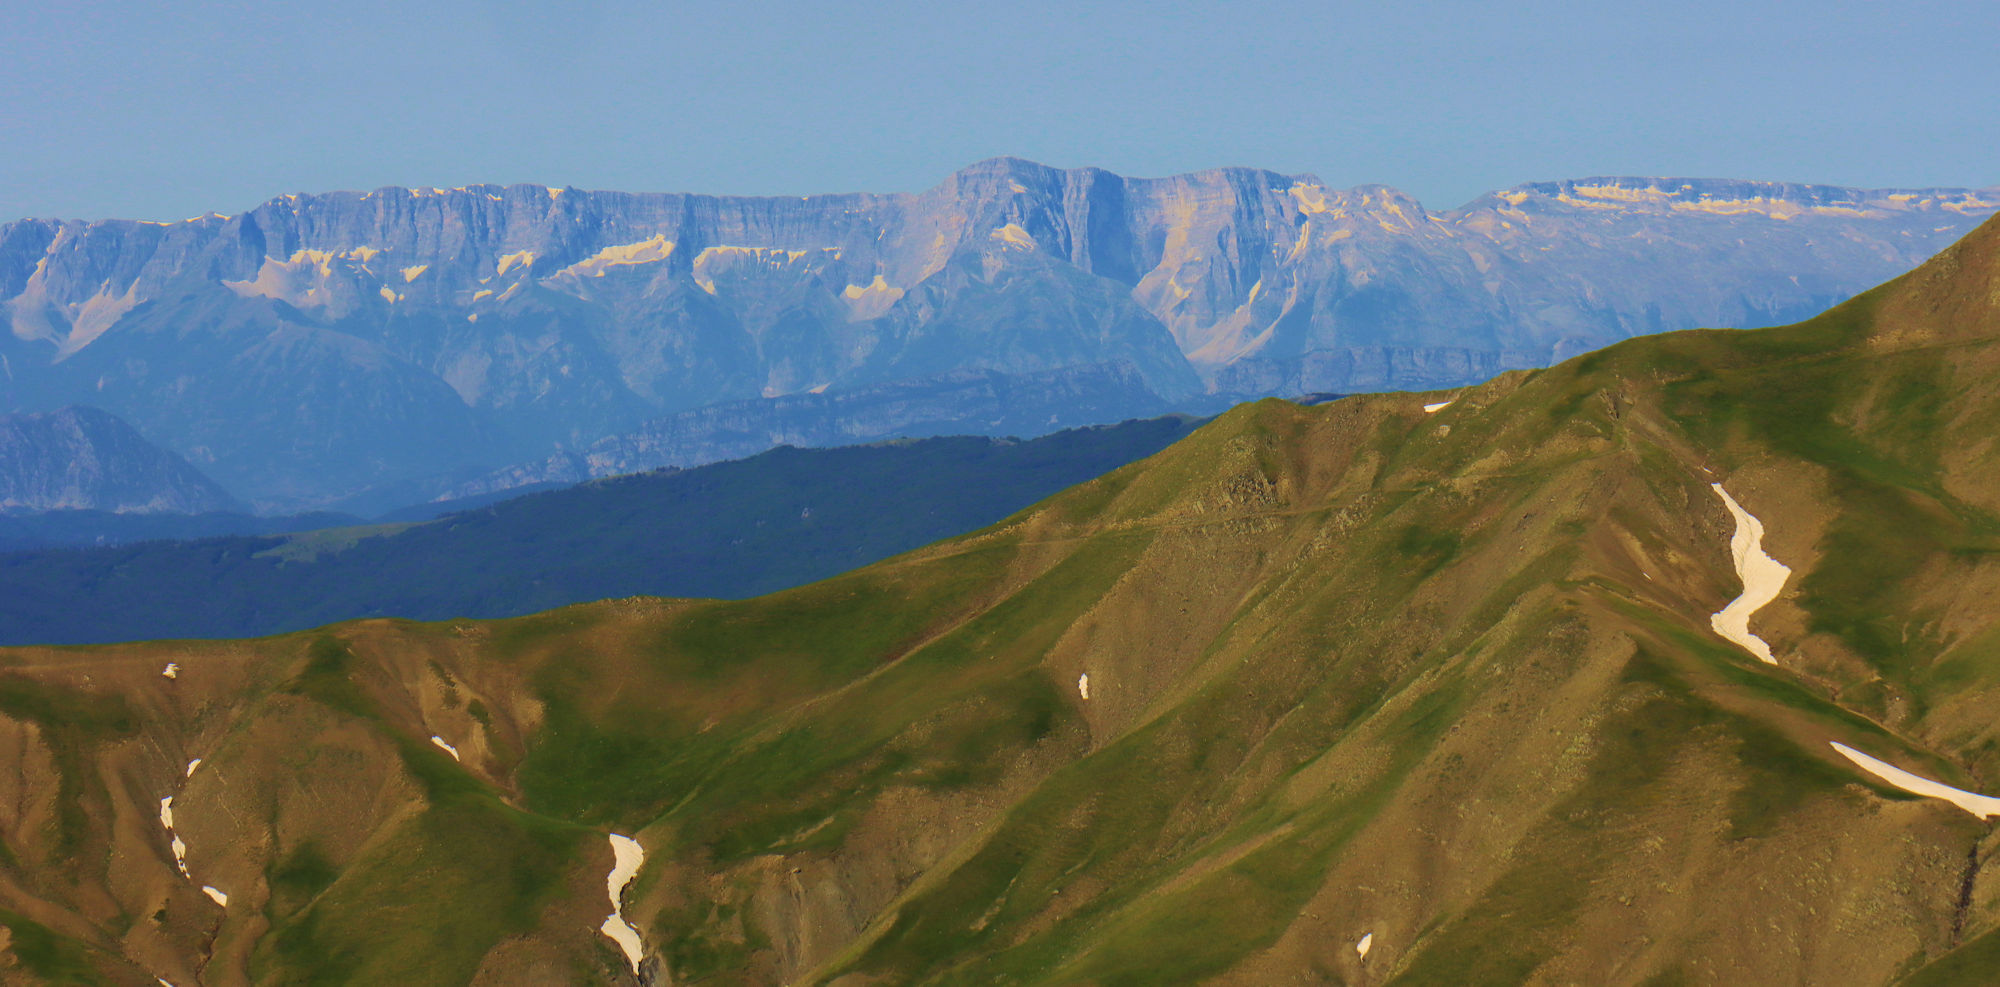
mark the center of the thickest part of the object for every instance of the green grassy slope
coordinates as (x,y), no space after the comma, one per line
(1446,680)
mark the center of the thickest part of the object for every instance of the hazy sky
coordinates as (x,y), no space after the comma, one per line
(157,110)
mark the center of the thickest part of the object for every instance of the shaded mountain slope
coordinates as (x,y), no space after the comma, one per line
(777,520)
(1444,680)
(80,458)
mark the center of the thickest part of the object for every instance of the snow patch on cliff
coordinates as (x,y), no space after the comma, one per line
(725,259)
(1014,236)
(857,291)
(1970,202)
(872,299)
(524,258)
(648,251)
(1311,199)
(98,313)
(1622,193)
(300,278)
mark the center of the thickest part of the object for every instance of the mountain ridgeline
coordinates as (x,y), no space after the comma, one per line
(1387,690)
(318,347)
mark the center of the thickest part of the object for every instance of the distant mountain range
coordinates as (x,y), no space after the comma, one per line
(320,347)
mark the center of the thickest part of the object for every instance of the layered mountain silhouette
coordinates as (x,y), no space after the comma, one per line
(1408,689)
(319,347)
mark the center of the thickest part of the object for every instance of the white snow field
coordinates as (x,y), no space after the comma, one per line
(626,856)
(1983,806)
(1763,577)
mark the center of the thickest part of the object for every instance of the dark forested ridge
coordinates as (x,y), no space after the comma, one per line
(735,529)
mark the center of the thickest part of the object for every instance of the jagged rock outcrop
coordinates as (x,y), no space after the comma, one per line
(319,345)
(81,458)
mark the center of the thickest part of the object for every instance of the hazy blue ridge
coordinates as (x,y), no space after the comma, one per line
(737,529)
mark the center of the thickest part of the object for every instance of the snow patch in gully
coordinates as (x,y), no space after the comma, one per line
(1763,577)
(626,855)
(1983,806)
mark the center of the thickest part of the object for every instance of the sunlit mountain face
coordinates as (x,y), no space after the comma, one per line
(406,343)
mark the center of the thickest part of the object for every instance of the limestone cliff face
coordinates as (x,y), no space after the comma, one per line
(83,459)
(321,344)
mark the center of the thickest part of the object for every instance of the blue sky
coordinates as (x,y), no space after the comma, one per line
(165,110)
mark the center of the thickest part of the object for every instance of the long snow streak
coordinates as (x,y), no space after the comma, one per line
(1763,577)
(179,846)
(626,856)
(174,839)
(1983,806)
